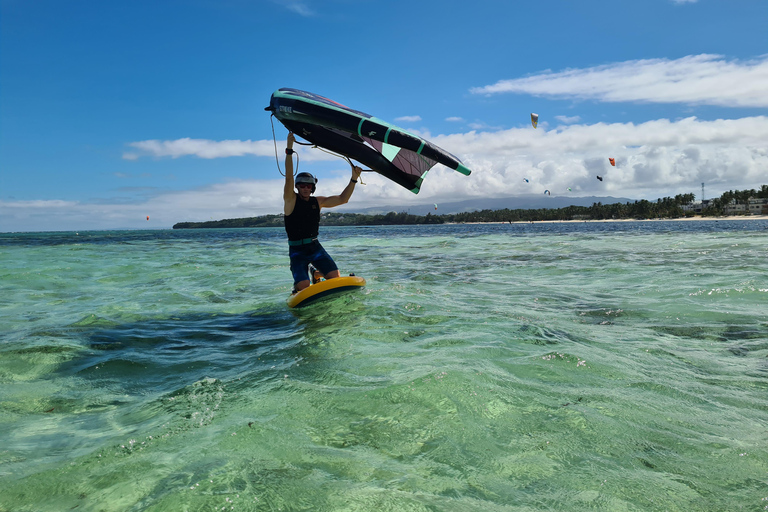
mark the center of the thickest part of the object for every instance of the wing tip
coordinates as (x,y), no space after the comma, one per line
(463,170)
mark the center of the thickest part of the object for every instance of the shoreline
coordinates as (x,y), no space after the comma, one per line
(680,219)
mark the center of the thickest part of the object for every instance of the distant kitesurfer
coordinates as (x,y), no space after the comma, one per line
(302,220)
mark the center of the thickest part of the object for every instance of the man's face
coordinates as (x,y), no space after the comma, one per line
(305,190)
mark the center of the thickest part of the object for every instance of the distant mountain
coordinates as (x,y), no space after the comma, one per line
(529,202)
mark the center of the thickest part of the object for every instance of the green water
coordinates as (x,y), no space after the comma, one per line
(616,366)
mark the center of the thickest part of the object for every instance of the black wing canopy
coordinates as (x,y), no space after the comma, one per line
(391,151)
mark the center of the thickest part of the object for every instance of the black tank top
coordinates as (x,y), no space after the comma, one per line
(304,220)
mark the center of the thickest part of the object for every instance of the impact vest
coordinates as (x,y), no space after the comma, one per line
(304,220)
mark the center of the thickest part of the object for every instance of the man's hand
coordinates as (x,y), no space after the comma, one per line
(291,139)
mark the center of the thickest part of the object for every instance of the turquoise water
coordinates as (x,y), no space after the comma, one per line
(595,366)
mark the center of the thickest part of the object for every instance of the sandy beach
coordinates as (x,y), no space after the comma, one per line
(680,219)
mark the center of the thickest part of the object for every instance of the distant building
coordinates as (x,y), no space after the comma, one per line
(758,206)
(696,206)
(754,206)
(734,208)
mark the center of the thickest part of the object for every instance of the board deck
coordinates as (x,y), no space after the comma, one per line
(324,289)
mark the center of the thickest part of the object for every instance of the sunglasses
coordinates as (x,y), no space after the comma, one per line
(304,185)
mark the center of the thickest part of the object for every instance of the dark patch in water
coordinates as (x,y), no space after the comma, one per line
(601,316)
(722,334)
(538,335)
(160,354)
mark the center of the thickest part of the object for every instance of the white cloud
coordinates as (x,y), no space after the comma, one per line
(696,80)
(300,8)
(454,119)
(218,201)
(199,147)
(39,204)
(653,159)
(408,119)
(480,125)
(568,120)
(204,148)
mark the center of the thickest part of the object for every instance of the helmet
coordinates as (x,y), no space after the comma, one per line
(305,177)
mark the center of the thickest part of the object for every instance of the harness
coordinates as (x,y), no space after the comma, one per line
(305,241)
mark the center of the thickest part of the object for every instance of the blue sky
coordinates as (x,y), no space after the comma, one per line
(112,111)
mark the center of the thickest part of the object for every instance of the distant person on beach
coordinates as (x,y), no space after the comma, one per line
(302,221)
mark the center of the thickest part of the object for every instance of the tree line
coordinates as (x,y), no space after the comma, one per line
(663,208)
(718,204)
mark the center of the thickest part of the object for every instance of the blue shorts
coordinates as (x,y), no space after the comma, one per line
(302,255)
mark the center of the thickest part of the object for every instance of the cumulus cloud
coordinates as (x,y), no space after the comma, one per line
(219,201)
(568,119)
(653,159)
(408,119)
(198,147)
(39,204)
(482,126)
(204,148)
(695,80)
(454,119)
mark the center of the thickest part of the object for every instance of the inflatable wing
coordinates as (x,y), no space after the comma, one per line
(391,151)
(535,120)
(613,161)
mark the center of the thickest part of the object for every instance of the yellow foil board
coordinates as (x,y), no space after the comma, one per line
(324,289)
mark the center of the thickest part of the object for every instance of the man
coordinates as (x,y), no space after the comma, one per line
(302,220)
